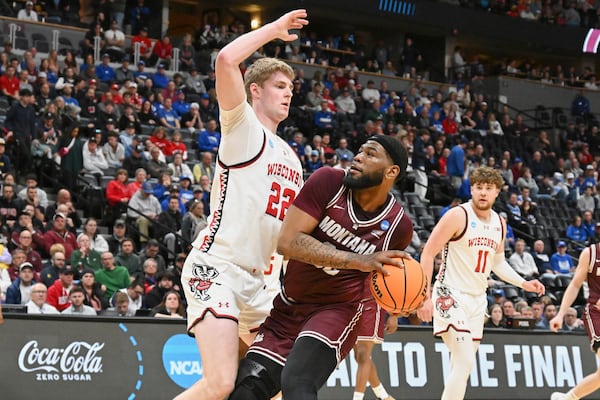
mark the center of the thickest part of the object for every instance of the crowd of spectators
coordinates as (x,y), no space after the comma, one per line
(577,13)
(130,15)
(504,313)
(547,74)
(134,14)
(149,139)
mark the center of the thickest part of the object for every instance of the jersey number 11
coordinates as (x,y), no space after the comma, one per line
(482,258)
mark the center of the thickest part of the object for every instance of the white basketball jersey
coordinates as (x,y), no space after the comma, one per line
(273,274)
(249,199)
(468,259)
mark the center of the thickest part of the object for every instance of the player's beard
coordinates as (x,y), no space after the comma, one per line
(480,207)
(364,181)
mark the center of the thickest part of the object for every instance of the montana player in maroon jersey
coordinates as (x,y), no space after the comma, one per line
(588,268)
(341,227)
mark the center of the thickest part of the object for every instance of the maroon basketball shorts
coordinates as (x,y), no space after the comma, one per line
(591,319)
(336,325)
(372,322)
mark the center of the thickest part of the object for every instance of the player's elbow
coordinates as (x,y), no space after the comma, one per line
(284,243)
(225,58)
(283,246)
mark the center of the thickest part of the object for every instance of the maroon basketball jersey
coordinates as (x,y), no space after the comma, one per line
(345,226)
(593,277)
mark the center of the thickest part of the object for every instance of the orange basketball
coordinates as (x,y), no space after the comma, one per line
(403,291)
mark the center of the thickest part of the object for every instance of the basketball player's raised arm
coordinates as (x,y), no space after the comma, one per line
(229,83)
(509,275)
(570,294)
(449,226)
(295,241)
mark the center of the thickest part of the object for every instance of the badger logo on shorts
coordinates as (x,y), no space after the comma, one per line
(445,302)
(202,280)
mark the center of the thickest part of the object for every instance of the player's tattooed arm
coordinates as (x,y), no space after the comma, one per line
(309,250)
(305,248)
(295,242)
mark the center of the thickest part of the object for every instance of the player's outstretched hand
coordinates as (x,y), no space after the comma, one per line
(556,323)
(293,20)
(534,286)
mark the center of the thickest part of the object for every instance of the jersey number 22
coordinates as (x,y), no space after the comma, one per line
(279,200)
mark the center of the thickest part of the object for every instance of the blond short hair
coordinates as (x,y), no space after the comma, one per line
(56,248)
(263,69)
(121,297)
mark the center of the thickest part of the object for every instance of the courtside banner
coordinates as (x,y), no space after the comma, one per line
(143,358)
(511,364)
(94,358)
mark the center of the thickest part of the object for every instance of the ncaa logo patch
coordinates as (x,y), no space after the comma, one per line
(385,225)
(202,280)
(473,224)
(181,360)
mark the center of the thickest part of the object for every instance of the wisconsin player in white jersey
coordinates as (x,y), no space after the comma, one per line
(257,178)
(471,238)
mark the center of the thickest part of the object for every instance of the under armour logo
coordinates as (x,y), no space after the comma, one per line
(224,305)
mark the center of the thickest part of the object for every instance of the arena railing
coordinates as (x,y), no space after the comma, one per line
(154,224)
(13,29)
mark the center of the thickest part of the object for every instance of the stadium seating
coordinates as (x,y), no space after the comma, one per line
(554,215)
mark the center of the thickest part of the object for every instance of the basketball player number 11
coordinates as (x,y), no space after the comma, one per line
(482,257)
(279,200)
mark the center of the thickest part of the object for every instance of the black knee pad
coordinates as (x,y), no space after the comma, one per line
(307,368)
(253,381)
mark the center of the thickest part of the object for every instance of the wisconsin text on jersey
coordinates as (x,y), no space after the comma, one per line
(285,172)
(483,241)
(344,237)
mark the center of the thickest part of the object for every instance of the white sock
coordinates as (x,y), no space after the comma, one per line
(380,391)
(358,396)
(571,395)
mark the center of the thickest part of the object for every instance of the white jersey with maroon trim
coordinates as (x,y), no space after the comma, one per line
(273,273)
(251,191)
(468,259)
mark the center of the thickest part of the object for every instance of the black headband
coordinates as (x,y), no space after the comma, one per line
(394,148)
(396,151)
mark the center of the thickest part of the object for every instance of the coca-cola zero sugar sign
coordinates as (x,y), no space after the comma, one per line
(77,361)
